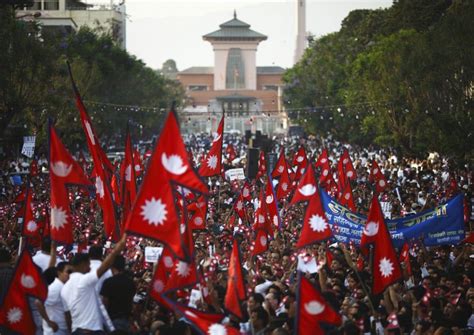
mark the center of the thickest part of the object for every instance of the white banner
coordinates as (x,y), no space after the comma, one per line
(28,146)
(152,254)
(234,174)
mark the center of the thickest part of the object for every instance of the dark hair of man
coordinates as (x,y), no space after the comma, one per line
(261,314)
(5,255)
(95,252)
(119,263)
(79,259)
(46,245)
(258,298)
(61,266)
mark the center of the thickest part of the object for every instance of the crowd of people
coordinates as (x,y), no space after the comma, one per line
(97,287)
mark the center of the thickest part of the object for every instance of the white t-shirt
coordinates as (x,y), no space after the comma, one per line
(55,309)
(80,299)
(42,260)
(94,266)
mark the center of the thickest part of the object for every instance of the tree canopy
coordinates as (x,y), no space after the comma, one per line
(34,83)
(401,76)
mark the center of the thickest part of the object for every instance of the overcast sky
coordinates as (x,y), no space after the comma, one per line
(158,30)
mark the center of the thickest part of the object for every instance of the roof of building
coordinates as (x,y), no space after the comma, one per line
(198,70)
(210,70)
(235,30)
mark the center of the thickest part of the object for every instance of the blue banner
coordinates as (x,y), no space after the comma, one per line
(443,224)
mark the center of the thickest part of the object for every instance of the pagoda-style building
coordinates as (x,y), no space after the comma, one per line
(250,94)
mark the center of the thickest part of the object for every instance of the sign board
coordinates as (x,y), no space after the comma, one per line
(28,146)
(235,174)
(152,254)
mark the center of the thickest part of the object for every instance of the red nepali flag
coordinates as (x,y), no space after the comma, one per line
(236,292)
(204,323)
(280,165)
(163,270)
(114,185)
(345,169)
(127,178)
(405,258)
(262,165)
(306,187)
(247,196)
(211,164)
(239,207)
(260,244)
(386,268)
(315,225)
(323,163)
(300,160)
(102,167)
(138,162)
(15,313)
(230,151)
(198,218)
(346,198)
(30,227)
(284,184)
(271,204)
(154,213)
(312,309)
(376,176)
(63,171)
(262,218)
(33,168)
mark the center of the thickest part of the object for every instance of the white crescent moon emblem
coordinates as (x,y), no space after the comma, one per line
(314,307)
(61,169)
(173,164)
(216,138)
(27,281)
(307,190)
(371,229)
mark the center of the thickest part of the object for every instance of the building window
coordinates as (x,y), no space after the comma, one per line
(51,5)
(235,72)
(197,88)
(270,87)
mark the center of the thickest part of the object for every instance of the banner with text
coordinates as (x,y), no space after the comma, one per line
(441,225)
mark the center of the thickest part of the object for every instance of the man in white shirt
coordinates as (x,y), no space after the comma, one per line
(95,255)
(79,293)
(43,257)
(52,312)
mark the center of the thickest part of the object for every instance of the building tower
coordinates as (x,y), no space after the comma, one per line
(300,30)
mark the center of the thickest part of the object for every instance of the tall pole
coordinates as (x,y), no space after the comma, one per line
(300,30)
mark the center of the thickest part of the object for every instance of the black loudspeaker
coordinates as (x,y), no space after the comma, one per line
(248,136)
(252,163)
(272,159)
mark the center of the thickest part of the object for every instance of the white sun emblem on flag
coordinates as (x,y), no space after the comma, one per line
(31,226)
(58,218)
(239,205)
(27,281)
(158,286)
(281,168)
(212,162)
(317,223)
(386,267)
(168,261)
(217,329)
(183,269)
(14,315)
(99,185)
(154,211)
(198,221)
